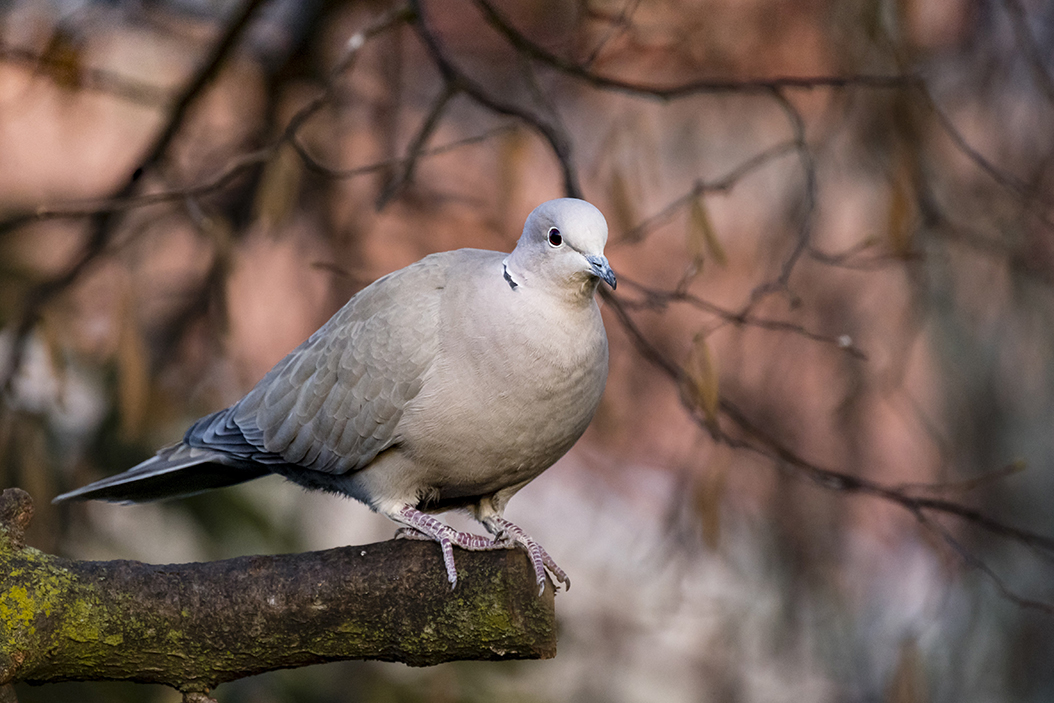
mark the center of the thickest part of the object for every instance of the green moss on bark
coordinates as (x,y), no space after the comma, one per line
(193,626)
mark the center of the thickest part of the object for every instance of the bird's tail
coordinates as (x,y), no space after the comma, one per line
(176,471)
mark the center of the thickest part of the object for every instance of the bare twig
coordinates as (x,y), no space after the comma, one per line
(103,223)
(557,138)
(758,442)
(352,48)
(105,216)
(722,184)
(974,562)
(1033,55)
(1003,178)
(93,79)
(808,165)
(659,299)
(405,172)
(969,484)
(764,85)
(801,242)
(618,26)
(235,168)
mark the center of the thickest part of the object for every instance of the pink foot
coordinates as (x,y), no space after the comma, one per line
(511,535)
(423,526)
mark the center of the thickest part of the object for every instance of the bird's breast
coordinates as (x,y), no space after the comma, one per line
(508,396)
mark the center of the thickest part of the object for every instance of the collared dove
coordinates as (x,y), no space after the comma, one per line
(451,383)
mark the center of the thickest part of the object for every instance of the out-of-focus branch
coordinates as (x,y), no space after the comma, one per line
(352,49)
(558,139)
(749,437)
(1031,51)
(194,626)
(966,485)
(974,562)
(105,216)
(658,299)
(405,173)
(801,242)
(93,79)
(1002,177)
(103,223)
(760,85)
(655,299)
(619,24)
(722,184)
(234,169)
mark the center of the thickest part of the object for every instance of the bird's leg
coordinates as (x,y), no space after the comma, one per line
(420,525)
(432,528)
(509,534)
(465,540)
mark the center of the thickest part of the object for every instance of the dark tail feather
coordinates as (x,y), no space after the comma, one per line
(175,472)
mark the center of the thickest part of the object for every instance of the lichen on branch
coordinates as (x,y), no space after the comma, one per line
(193,626)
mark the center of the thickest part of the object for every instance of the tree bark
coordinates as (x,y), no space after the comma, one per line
(193,626)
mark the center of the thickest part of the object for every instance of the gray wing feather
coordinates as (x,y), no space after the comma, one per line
(335,402)
(175,471)
(331,405)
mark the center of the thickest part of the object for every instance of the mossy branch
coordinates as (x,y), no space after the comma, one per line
(193,626)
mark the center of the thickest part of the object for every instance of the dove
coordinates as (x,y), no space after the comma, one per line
(448,384)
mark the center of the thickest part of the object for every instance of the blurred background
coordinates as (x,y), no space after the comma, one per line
(835,251)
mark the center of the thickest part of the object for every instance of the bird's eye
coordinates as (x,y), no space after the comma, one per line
(555,238)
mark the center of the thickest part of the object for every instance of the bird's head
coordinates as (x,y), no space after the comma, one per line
(563,243)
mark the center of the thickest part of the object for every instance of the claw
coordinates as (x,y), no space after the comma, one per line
(421,526)
(505,531)
(413,533)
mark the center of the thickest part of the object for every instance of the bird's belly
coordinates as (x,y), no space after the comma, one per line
(503,434)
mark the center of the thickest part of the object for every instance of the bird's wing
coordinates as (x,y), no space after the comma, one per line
(175,471)
(335,402)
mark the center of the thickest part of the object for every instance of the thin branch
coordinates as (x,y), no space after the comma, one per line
(618,26)
(966,485)
(801,242)
(352,48)
(758,442)
(93,79)
(1003,178)
(850,257)
(1033,54)
(238,166)
(766,85)
(405,172)
(659,299)
(103,223)
(105,216)
(719,185)
(973,561)
(808,164)
(558,139)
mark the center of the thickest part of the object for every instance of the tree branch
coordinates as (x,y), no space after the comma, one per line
(1033,54)
(671,92)
(658,299)
(558,139)
(723,184)
(103,223)
(752,438)
(193,626)
(405,174)
(93,79)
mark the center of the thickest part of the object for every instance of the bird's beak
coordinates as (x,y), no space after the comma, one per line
(602,269)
